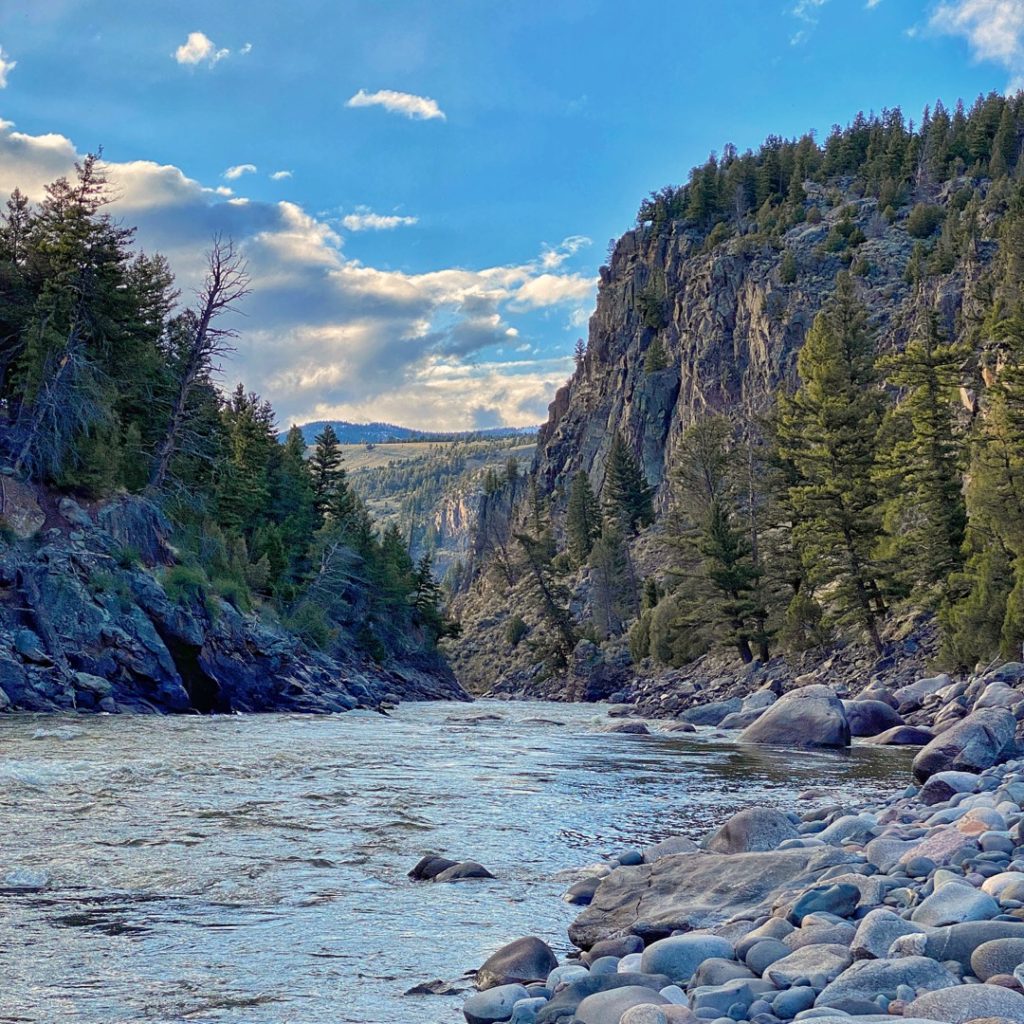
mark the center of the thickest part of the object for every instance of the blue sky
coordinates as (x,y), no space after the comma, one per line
(427,251)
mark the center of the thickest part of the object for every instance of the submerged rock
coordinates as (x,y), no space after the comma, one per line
(525,960)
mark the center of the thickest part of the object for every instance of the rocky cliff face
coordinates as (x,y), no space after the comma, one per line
(731,328)
(90,620)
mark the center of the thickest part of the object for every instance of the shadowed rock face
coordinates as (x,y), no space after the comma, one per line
(971,745)
(696,890)
(90,628)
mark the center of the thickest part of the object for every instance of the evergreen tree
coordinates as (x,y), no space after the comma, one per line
(582,520)
(614,598)
(656,358)
(828,429)
(919,473)
(628,498)
(325,467)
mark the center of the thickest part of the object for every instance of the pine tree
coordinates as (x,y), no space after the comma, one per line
(582,519)
(828,430)
(919,472)
(656,358)
(711,526)
(628,498)
(325,467)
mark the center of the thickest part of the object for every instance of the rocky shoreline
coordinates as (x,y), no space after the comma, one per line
(93,619)
(912,907)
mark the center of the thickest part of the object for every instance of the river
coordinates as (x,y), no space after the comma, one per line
(252,870)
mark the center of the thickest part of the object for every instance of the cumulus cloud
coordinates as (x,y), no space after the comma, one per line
(199,48)
(6,67)
(365,219)
(234,173)
(418,108)
(325,335)
(994,30)
(554,256)
(280,175)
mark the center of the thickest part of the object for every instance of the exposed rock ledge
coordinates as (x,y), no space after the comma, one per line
(83,628)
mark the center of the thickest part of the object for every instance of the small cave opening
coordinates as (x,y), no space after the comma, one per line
(203,690)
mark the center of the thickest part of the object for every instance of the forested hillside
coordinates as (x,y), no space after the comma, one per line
(108,392)
(798,422)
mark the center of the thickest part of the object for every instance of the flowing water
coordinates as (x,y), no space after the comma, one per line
(252,870)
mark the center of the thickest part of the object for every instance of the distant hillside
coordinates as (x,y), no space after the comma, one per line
(382,433)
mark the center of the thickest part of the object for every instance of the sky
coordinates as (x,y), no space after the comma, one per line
(425,189)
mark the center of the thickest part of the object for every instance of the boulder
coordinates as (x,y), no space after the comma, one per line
(741,719)
(811,716)
(525,960)
(968,1002)
(711,714)
(954,903)
(943,785)
(493,1005)
(973,744)
(463,870)
(608,1007)
(826,961)
(997,695)
(909,698)
(998,956)
(870,717)
(903,736)
(565,1003)
(959,941)
(681,955)
(877,931)
(753,830)
(669,847)
(697,890)
(19,509)
(841,900)
(865,979)
(429,866)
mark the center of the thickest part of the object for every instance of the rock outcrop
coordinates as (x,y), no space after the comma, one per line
(92,619)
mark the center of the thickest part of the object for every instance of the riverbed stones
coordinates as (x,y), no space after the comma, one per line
(968,1002)
(711,714)
(840,900)
(756,829)
(943,785)
(958,941)
(669,847)
(493,1005)
(763,954)
(903,736)
(525,960)
(972,744)
(681,955)
(811,716)
(564,1003)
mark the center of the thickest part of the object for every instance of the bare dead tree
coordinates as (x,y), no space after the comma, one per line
(227,282)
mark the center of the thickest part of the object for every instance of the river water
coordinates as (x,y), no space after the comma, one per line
(252,870)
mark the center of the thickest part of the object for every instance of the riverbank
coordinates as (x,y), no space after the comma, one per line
(910,906)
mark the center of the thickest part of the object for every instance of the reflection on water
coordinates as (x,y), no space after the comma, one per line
(252,870)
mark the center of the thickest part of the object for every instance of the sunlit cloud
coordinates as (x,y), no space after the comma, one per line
(6,67)
(236,172)
(199,48)
(418,108)
(364,219)
(994,30)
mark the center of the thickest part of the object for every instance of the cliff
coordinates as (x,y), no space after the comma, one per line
(730,317)
(95,615)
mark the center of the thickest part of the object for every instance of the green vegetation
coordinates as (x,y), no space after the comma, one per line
(106,385)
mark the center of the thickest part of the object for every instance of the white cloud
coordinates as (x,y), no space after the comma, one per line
(248,46)
(326,335)
(6,67)
(872,4)
(419,108)
(236,172)
(366,220)
(554,256)
(199,48)
(280,175)
(994,30)
(806,11)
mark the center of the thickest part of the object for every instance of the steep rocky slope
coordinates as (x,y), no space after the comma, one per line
(730,321)
(94,617)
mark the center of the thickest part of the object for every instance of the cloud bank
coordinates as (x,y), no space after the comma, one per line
(328,336)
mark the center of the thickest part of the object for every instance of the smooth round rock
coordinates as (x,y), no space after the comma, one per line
(608,1007)
(493,1005)
(763,954)
(681,955)
(998,956)
(968,1002)
(527,959)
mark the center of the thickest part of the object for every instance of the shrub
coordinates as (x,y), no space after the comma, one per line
(184,582)
(923,220)
(127,557)
(814,215)
(515,630)
(310,624)
(788,269)
(233,591)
